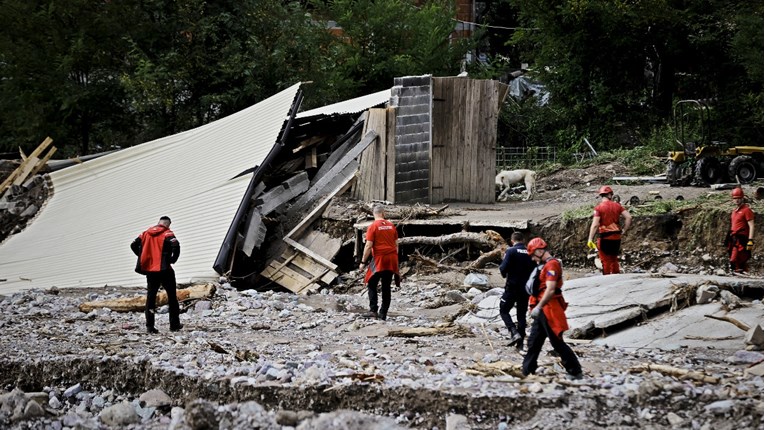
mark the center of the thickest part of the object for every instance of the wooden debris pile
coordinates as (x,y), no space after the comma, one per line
(23,191)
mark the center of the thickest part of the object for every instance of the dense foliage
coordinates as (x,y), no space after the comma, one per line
(615,68)
(101,74)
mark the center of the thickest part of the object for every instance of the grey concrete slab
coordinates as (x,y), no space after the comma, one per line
(609,300)
(689,328)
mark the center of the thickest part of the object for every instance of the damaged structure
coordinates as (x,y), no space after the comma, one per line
(245,190)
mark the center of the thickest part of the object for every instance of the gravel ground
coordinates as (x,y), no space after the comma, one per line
(275,360)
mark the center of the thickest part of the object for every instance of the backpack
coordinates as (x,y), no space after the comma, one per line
(532,284)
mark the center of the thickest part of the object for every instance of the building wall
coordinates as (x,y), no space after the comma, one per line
(465,114)
(411,95)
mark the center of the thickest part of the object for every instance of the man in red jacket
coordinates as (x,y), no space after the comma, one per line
(382,246)
(157,249)
(606,222)
(547,311)
(740,239)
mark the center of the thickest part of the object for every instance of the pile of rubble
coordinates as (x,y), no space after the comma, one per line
(307,360)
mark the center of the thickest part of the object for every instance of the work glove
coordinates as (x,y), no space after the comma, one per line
(750,245)
(535,312)
(591,245)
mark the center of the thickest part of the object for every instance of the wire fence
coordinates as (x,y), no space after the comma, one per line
(524,158)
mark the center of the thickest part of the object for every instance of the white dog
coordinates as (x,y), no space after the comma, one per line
(506,178)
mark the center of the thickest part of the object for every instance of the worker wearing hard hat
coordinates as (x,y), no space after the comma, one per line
(547,311)
(606,221)
(740,238)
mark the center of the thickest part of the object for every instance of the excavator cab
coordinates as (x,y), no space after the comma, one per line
(702,161)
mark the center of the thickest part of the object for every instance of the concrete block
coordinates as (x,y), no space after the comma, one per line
(706,293)
(754,336)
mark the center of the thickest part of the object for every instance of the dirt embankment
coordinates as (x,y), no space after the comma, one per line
(691,239)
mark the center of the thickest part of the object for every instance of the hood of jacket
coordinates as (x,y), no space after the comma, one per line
(157,230)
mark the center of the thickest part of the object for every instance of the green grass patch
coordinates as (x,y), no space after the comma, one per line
(717,202)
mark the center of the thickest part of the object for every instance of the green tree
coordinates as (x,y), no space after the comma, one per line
(57,74)
(385,39)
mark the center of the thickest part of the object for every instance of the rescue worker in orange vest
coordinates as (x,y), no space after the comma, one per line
(382,247)
(157,249)
(547,311)
(606,222)
(740,238)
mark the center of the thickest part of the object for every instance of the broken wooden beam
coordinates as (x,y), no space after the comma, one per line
(674,371)
(340,171)
(462,237)
(733,321)
(281,194)
(453,330)
(138,304)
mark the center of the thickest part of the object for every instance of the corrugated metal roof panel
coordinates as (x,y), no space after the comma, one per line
(81,237)
(356,105)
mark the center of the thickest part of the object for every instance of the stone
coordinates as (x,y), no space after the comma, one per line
(755,370)
(730,299)
(455,297)
(203,305)
(457,422)
(33,410)
(706,293)
(119,415)
(719,407)
(745,357)
(155,398)
(674,420)
(286,418)
(754,336)
(201,415)
(72,391)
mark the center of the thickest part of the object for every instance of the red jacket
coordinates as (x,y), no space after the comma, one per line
(156,248)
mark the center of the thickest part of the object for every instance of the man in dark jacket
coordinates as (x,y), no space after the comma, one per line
(157,249)
(515,268)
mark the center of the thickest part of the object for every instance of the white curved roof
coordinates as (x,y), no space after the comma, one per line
(359,104)
(81,237)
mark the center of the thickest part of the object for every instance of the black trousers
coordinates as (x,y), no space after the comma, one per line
(513,297)
(540,330)
(386,276)
(166,279)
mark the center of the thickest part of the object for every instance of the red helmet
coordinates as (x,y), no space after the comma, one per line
(534,244)
(605,189)
(737,193)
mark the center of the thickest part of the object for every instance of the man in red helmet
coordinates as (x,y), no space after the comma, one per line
(547,311)
(740,239)
(157,249)
(606,222)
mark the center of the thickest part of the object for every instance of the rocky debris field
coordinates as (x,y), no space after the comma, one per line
(270,360)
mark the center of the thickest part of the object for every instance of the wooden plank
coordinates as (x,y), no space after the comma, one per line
(310,253)
(390,155)
(288,273)
(44,161)
(23,166)
(29,165)
(310,159)
(316,270)
(322,243)
(333,172)
(317,211)
(287,279)
(42,147)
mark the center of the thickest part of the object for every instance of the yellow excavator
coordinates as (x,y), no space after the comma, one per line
(703,162)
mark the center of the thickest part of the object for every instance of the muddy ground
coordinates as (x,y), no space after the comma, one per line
(273,360)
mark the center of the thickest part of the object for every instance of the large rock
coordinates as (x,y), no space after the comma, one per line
(155,398)
(201,415)
(119,415)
